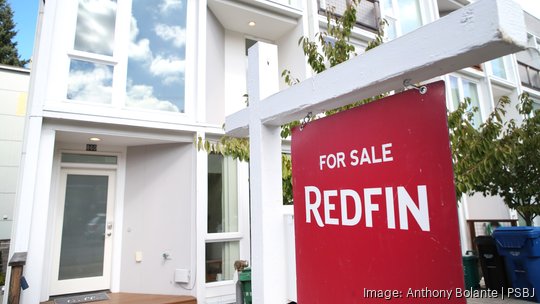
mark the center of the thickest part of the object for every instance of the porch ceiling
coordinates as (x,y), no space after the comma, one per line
(270,23)
(106,139)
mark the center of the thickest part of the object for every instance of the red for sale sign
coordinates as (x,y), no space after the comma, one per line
(375,207)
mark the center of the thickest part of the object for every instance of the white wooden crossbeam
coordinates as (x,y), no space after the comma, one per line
(474,34)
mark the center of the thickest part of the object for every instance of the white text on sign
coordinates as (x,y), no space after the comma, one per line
(347,198)
(366,155)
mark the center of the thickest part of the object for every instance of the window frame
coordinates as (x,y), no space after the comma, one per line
(242,236)
(392,15)
(63,50)
(461,96)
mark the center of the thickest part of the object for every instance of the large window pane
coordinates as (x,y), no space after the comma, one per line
(454,92)
(534,76)
(222,194)
(220,259)
(470,90)
(523,74)
(498,69)
(90,82)
(410,17)
(157,51)
(95,26)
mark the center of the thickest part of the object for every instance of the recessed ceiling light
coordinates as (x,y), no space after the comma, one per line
(251,23)
(95,139)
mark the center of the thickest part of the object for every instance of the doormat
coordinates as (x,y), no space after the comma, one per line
(85,298)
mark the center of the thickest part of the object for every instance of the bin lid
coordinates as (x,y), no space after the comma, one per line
(245,275)
(522,231)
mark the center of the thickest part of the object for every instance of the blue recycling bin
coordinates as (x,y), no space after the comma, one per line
(520,247)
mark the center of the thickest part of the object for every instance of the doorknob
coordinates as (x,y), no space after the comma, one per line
(109,226)
(109,233)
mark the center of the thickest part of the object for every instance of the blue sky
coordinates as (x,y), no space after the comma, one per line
(25,16)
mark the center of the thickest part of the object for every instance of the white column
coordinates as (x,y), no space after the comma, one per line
(201,219)
(37,244)
(267,225)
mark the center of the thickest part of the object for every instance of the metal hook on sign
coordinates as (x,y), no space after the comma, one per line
(407,84)
(305,120)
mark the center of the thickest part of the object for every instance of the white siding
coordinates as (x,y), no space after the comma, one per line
(157,218)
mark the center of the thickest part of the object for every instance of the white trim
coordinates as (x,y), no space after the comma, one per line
(201,159)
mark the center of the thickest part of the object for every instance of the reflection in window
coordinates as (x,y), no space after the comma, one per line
(95,26)
(220,259)
(157,51)
(90,82)
(222,194)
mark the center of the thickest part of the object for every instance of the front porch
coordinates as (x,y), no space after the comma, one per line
(134,298)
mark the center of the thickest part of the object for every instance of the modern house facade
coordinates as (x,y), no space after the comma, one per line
(114,193)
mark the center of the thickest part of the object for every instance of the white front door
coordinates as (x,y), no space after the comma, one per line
(83,234)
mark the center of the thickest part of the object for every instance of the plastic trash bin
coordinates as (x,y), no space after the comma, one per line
(245,279)
(492,263)
(520,247)
(470,270)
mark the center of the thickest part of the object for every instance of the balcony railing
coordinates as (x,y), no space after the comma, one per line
(368,12)
(530,77)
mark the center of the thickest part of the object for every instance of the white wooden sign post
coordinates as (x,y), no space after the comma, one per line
(474,34)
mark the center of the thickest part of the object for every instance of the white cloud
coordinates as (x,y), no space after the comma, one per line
(175,33)
(142,96)
(91,85)
(169,69)
(95,26)
(138,50)
(168,5)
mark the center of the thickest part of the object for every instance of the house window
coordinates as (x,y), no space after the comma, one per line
(94,31)
(129,62)
(403,16)
(156,59)
(220,257)
(90,82)
(89,78)
(530,77)
(223,238)
(460,89)
(498,68)
(222,194)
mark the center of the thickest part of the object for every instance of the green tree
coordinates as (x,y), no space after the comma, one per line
(8,48)
(500,157)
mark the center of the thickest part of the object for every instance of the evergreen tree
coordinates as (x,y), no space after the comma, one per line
(8,48)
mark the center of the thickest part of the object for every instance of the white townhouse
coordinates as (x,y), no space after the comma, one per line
(113,193)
